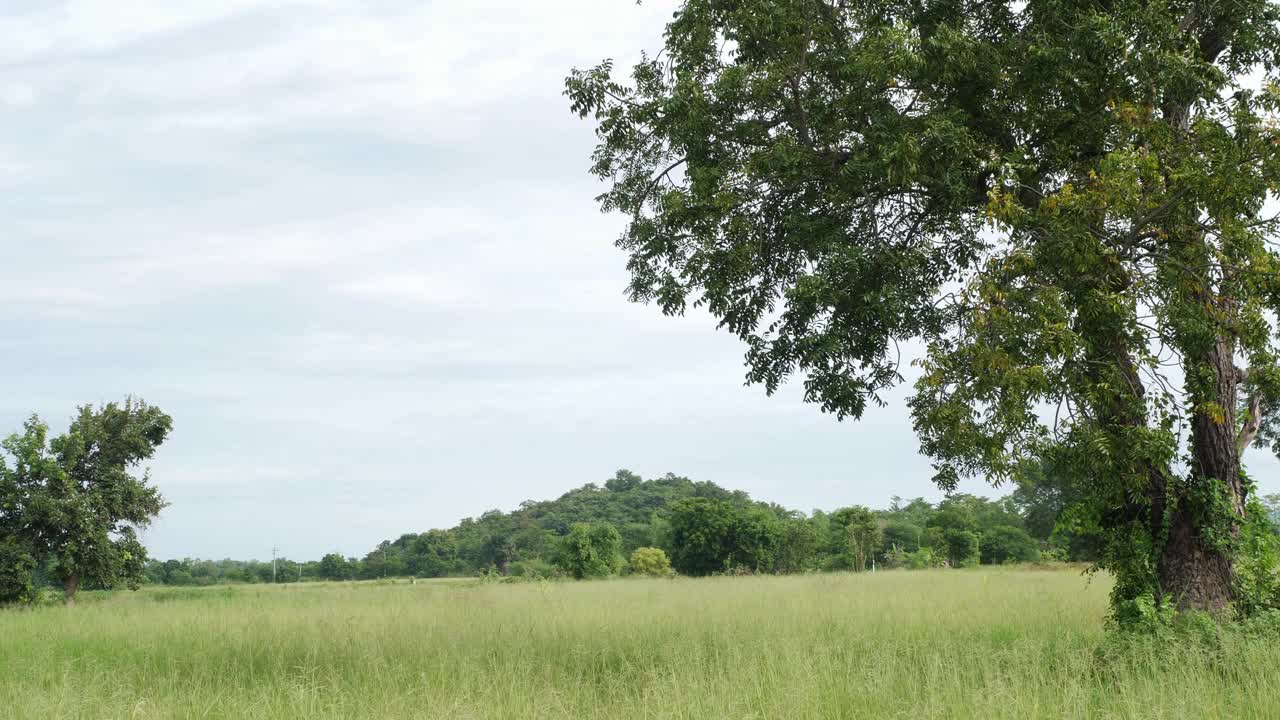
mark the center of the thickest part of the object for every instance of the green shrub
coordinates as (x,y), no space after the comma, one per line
(650,561)
(534,568)
(922,559)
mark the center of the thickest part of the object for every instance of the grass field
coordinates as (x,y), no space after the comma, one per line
(995,643)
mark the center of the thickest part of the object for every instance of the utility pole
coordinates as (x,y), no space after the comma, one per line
(274,549)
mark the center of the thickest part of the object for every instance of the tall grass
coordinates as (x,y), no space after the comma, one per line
(946,644)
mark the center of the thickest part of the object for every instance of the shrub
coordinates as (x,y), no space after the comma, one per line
(922,559)
(650,561)
(534,568)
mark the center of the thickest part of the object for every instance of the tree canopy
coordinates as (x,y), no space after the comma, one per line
(1060,201)
(76,501)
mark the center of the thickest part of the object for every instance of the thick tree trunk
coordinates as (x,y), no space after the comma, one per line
(1193,572)
(72,586)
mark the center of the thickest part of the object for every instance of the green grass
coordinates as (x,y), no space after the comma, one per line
(947,644)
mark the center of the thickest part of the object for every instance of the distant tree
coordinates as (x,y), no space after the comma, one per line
(1041,497)
(590,550)
(856,533)
(622,481)
(1055,511)
(637,535)
(1271,510)
(961,547)
(1008,544)
(383,561)
(702,535)
(757,535)
(81,496)
(334,567)
(650,561)
(901,534)
(432,554)
(797,546)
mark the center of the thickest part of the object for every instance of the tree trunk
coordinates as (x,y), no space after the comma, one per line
(72,586)
(1192,571)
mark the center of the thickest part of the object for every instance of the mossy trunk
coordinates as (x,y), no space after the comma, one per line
(1195,565)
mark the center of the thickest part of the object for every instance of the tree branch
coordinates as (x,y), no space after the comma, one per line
(1253,420)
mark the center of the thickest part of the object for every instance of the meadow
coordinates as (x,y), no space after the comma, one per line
(983,643)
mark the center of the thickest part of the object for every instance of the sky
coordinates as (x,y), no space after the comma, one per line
(352,247)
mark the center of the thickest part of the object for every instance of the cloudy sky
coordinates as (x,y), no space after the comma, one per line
(352,248)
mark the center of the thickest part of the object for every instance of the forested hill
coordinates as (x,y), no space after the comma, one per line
(524,539)
(739,533)
(702,528)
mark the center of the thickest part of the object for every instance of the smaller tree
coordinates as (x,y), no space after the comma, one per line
(650,561)
(334,567)
(961,547)
(590,550)
(902,535)
(757,535)
(433,554)
(622,481)
(857,535)
(1004,544)
(797,546)
(702,535)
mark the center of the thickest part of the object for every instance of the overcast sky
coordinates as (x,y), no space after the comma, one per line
(352,248)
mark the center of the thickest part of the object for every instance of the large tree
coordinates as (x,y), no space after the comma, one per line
(78,500)
(1060,202)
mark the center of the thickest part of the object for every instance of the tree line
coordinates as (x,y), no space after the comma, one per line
(674,524)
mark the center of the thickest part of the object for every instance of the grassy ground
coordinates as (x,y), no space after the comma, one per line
(945,644)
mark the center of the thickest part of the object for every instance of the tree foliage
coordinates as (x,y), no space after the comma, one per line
(857,535)
(335,567)
(1062,201)
(17,566)
(650,561)
(77,500)
(590,550)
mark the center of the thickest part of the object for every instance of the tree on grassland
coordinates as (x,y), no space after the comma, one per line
(80,497)
(702,535)
(590,550)
(1005,543)
(335,567)
(856,537)
(1059,200)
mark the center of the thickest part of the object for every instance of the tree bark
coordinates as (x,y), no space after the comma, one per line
(1193,571)
(72,586)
